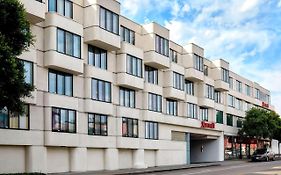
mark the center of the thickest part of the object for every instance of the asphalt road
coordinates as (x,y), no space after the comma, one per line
(231,168)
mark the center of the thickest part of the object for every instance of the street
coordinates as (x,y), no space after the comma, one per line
(231,168)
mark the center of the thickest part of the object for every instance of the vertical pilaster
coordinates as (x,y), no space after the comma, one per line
(111,159)
(187,139)
(138,158)
(78,159)
(36,159)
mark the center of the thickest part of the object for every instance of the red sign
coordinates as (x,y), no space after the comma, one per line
(266,105)
(205,124)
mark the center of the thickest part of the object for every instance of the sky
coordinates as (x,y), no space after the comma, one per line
(246,33)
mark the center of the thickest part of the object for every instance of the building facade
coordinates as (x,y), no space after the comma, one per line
(113,94)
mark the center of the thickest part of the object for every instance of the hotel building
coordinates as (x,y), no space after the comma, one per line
(113,94)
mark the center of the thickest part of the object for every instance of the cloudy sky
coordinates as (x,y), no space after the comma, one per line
(247,33)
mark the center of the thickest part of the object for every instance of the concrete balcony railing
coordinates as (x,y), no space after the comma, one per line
(172,93)
(35,10)
(193,75)
(206,102)
(154,59)
(62,62)
(221,85)
(129,81)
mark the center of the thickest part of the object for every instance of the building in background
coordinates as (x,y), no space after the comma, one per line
(113,94)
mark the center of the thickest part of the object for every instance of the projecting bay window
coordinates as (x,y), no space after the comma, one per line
(127,35)
(130,127)
(9,120)
(101,90)
(178,81)
(238,86)
(127,97)
(97,124)
(151,130)
(171,107)
(198,63)
(173,56)
(218,97)
(192,110)
(28,72)
(154,102)
(60,83)
(219,117)
(231,101)
(239,104)
(68,43)
(229,120)
(189,87)
(151,75)
(62,7)
(162,45)
(134,66)
(204,114)
(225,75)
(97,57)
(63,120)
(109,21)
(209,91)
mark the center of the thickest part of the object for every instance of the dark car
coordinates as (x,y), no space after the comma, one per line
(263,155)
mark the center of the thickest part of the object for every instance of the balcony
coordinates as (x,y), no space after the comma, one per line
(35,10)
(156,60)
(172,93)
(99,37)
(62,62)
(194,75)
(127,48)
(221,85)
(129,81)
(206,102)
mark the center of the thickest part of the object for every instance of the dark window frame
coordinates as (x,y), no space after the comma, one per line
(64,7)
(194,108)
(173,56)
(112,23)
(229,119)
(219,118)
(101,132)
(178,77)
(174,104)
(129,60)
(132,38)
(160,43)
(148,71)
(124,90)
(127,121)
(68,110)
(98,90)
(32,70)
(147,132)
(155,103)
(189,84)
(101,51)
(61,74)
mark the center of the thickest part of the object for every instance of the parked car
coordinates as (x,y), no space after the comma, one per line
(263,154)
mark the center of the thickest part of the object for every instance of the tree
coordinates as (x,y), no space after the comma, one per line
(15,37)
(261,123)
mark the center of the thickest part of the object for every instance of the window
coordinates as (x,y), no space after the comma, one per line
(68,43)
(229,120)
(101,90)
(239,122)
(219,117)
(231,101)
(239,104)
(209,91)
(28,72)
(127,97)
(173,56)
(172,107)
(127,35)
(97,57)
(151,75)
(230,82)
(248,106)
(238,86)
(257,93)
(151,130)
(192,110)
(189,87)
(62,7)
(60,83)
(109,21)
(205,70)
(154,102)
(162,45)
(178,81)
(218,98)
(129,127)
(11,120)
(225,75)
(198,62)
(134,66)
(64,120)
(248,90)
(204,113)
(97,124)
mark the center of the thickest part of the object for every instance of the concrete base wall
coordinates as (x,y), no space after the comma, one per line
(275,146)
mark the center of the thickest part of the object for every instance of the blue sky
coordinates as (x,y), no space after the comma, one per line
(247,33)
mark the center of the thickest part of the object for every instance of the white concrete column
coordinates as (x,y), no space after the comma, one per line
(36,159)
(138,159)
(221,147)
(78,159)
(111,159)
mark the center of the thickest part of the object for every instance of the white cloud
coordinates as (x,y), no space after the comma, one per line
(279,4)
(248,5)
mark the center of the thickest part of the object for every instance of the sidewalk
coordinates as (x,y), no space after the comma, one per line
(142,171)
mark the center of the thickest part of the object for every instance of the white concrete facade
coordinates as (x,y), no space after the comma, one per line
(43,148)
